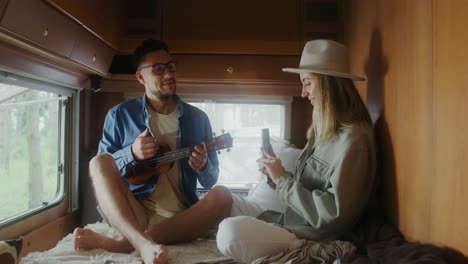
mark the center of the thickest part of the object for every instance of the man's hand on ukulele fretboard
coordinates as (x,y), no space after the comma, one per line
(199,158)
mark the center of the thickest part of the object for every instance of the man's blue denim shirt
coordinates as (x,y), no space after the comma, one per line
(127,120)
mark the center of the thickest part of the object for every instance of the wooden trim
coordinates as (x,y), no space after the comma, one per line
(263,47)
(123,84)
(47,236)
(24,59)
(35,221)
(238,87)
(328,27)
(23,56)
(243,47)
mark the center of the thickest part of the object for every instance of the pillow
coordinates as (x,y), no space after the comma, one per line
(262,193)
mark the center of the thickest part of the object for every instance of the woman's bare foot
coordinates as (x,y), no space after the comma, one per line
(152,253)
(88,239)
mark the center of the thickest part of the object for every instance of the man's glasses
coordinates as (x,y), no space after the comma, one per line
(158,68)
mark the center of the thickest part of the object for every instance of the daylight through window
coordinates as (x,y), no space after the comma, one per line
(31,125)
(244,121)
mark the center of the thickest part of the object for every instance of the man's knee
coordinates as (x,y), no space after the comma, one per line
(101,159)
(101,162)
(221,199)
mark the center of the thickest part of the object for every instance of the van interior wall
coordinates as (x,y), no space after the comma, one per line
(415,60)
(94,109)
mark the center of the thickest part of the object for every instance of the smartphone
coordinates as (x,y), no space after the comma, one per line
(265,140)
(267,146)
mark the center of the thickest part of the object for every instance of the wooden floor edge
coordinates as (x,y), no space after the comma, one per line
(47,236)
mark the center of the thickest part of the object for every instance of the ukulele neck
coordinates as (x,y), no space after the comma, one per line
(171,156)
(168,157)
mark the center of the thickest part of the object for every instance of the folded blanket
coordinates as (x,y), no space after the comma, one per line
(312,252)
(380,242)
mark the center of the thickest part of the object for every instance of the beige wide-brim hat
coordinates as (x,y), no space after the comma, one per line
(325,57)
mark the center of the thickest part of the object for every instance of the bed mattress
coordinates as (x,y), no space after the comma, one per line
(199,251)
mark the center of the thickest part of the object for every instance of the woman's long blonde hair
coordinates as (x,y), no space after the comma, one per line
(338,104)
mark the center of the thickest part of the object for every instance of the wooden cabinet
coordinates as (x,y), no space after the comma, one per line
(237,74)
(92,52)
(233,27)
(235,67)
(266,27)
(41,24)
(221,75)
(103,17)
(48,28)
(142,20)
(322,19)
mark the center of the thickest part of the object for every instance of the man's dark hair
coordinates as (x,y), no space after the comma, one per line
(147,46)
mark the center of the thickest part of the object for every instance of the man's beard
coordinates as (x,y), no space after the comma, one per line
(165,96)
(162,96)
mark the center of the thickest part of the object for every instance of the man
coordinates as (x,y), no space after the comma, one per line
(164,208)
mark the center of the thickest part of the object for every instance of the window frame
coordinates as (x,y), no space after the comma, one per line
(68,123)
(286,101)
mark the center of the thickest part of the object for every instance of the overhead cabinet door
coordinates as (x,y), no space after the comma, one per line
(233,27)
(92,52)
(40,24)
(235,67)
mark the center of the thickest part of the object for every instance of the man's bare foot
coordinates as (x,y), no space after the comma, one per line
(152,253)
(88,239)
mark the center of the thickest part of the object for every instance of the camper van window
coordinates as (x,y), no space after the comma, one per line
(244,119)
(32,123)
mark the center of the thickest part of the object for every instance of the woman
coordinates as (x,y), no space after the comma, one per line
(334,175)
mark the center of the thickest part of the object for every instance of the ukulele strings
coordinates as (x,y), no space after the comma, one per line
(165,158)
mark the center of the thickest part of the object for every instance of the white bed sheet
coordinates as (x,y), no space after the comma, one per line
(199,251)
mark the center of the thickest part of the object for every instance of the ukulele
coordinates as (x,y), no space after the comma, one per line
(164,160)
